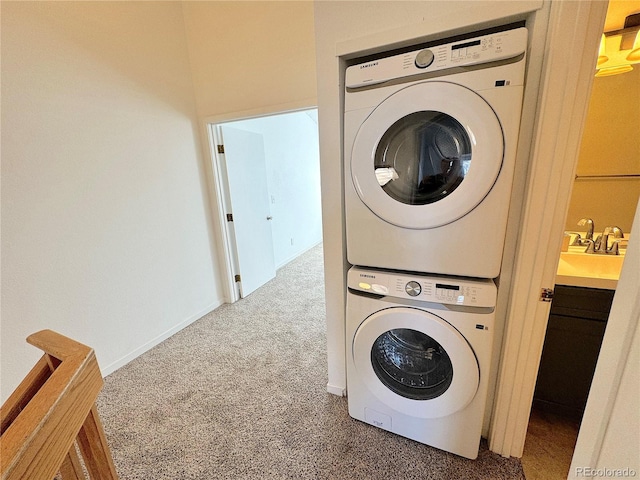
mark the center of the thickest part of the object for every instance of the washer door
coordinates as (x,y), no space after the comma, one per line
(427,155)
(415,362)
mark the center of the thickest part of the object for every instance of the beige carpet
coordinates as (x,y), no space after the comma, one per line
(241,394)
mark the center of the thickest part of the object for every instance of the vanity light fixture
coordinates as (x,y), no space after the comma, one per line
(620,49)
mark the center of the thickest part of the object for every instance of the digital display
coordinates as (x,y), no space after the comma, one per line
(465,45)
(447,287)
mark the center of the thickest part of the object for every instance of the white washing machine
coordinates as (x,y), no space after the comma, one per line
(430,142)
(418,355)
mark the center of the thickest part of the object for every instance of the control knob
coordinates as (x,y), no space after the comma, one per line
(424,58)
(413,288)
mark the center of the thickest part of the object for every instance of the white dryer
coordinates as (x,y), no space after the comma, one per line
(418,355)
(430,142)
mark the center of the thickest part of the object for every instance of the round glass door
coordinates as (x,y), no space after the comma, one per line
(411,364)
(415,362)
(422,158)
(427,155)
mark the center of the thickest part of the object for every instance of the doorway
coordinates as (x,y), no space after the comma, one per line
(267,176)
(606,191)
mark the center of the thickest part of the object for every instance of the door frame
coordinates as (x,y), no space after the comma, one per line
(571,47)
(220,186)
(223,201)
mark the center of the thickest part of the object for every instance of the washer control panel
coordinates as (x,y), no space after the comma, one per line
(427,288)
(473,51)
(413,288)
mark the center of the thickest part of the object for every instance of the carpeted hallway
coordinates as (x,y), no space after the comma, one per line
(241,394)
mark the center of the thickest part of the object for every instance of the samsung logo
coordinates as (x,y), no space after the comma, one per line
(367,276)
(367,65)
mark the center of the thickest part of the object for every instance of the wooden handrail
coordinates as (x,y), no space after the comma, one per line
(52,408)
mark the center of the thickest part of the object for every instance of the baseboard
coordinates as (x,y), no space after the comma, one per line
(159,339)
(339,391)
(572,412)
(296,255)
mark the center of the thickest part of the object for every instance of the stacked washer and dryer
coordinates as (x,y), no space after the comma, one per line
(430,141)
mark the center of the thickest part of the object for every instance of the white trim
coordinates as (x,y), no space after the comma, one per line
(296,255)
(336,390)
(267,111)
(121,362)
(214,135)
(574,33)
(537,24)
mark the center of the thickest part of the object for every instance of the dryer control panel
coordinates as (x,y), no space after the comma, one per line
(473,51)
(426,288)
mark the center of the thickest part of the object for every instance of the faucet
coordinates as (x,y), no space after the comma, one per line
(589,223)
(601,244)
(578,240)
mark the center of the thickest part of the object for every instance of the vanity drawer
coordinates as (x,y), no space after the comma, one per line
(581,302)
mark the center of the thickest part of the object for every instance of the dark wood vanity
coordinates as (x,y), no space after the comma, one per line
(575,330)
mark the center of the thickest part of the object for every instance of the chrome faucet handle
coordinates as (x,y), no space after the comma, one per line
(597,243)
(614,250)
(577,239)
(589,223)
(602,242)
(615,231)
(590,246)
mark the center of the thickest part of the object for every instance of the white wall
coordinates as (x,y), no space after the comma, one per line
(248,59)
(105,232)
(293,179)
(346,30)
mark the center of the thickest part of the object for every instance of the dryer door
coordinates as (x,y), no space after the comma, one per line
(415,362)
(427,155)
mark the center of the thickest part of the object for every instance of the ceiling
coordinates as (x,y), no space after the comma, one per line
(618,11)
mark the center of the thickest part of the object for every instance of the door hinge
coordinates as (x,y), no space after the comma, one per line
(237,278)
(229,217)
(220,148)
(546,294)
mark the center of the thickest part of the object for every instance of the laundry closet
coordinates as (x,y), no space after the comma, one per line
(430,136)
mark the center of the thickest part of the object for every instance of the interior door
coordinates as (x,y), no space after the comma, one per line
(247,177)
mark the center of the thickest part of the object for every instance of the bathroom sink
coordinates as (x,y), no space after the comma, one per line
(588,270)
